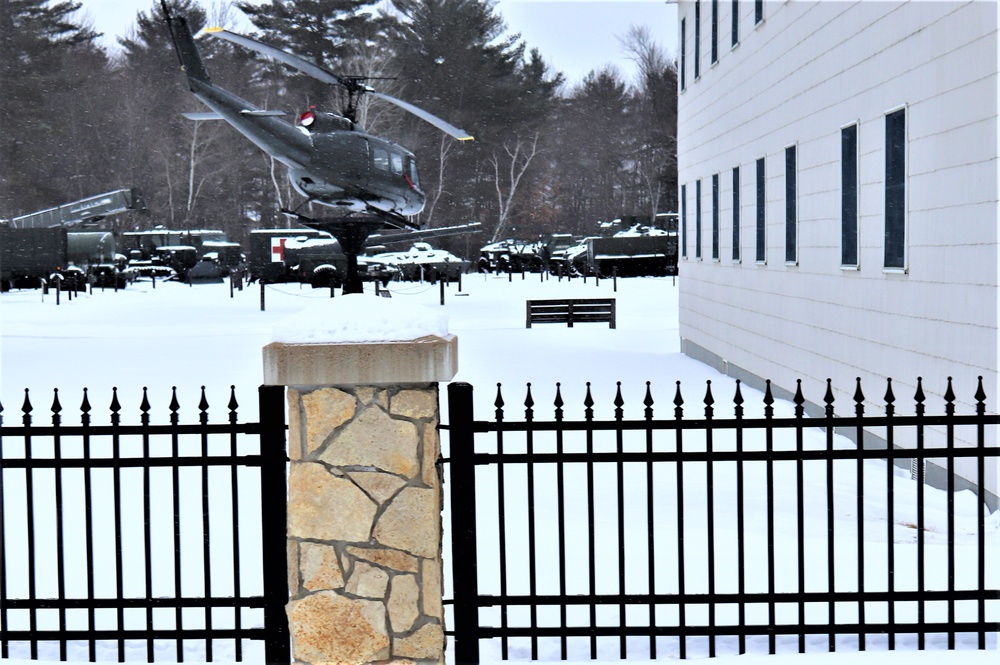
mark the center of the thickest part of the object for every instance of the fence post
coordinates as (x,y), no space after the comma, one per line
(275,521)
(364,496)
(463,519)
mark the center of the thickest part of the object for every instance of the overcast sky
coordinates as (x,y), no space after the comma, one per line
(574,36)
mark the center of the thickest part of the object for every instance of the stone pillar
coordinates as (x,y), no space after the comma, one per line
(364,498)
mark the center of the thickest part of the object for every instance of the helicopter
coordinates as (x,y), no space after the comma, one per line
(368,181)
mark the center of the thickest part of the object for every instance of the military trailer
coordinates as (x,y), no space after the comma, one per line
(267,259)
(32,257)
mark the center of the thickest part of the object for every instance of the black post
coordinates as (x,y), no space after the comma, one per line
(262,295)
(275,522)
(463,523)
(441,282)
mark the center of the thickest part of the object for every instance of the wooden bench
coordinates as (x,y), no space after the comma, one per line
(570,311)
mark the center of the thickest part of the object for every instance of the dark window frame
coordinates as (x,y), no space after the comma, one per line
(735,31)
(736,214)
(895,190)
(715,217)
(791,206)
(697,39)
(715,31)
(761,221)
(849,196)
(697,219)
(684,244)
(683,54)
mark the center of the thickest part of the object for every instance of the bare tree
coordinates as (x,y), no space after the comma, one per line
(520,156)
(656,118)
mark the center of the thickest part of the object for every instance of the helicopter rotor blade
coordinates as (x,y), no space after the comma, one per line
(445,127)
(283,57)
(321,74)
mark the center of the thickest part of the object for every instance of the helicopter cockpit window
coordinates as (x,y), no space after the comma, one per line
(412,164)
(397,163)
(380,158)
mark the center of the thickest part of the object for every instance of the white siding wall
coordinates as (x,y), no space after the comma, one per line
(808,70)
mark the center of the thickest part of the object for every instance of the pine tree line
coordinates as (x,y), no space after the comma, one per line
(76,120)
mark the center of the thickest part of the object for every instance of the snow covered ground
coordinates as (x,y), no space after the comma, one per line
(188,337)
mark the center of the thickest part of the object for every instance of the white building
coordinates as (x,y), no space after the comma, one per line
(839,188)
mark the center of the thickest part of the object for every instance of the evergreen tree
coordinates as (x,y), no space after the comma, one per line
(329,33)
(594,136)
(46,62)
(456,61)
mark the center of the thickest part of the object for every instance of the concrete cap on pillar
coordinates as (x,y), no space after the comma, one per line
(362,340)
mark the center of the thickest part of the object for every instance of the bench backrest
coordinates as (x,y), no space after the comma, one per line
(570,311)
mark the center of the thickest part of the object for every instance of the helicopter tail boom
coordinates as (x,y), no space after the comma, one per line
(187,50)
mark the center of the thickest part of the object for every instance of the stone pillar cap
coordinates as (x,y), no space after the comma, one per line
(425,360)
(361,340)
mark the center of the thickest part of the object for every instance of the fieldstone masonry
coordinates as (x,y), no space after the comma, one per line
(364,515)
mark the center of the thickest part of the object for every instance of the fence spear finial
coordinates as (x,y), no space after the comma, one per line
(115,406)
(859,397)
(980,398)
(828,397)
(768,400)
(233,404)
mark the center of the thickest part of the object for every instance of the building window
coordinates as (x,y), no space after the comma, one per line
(736,214)
(697,38)
(715,217)
(758,11)
(761,249)
(895,189)
(684,222)
(715,31)
(697,219)
(791,218)
(736,22)
(683,52)
(849,196)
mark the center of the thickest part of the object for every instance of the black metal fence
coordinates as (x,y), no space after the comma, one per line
(681,537)
(163,541)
